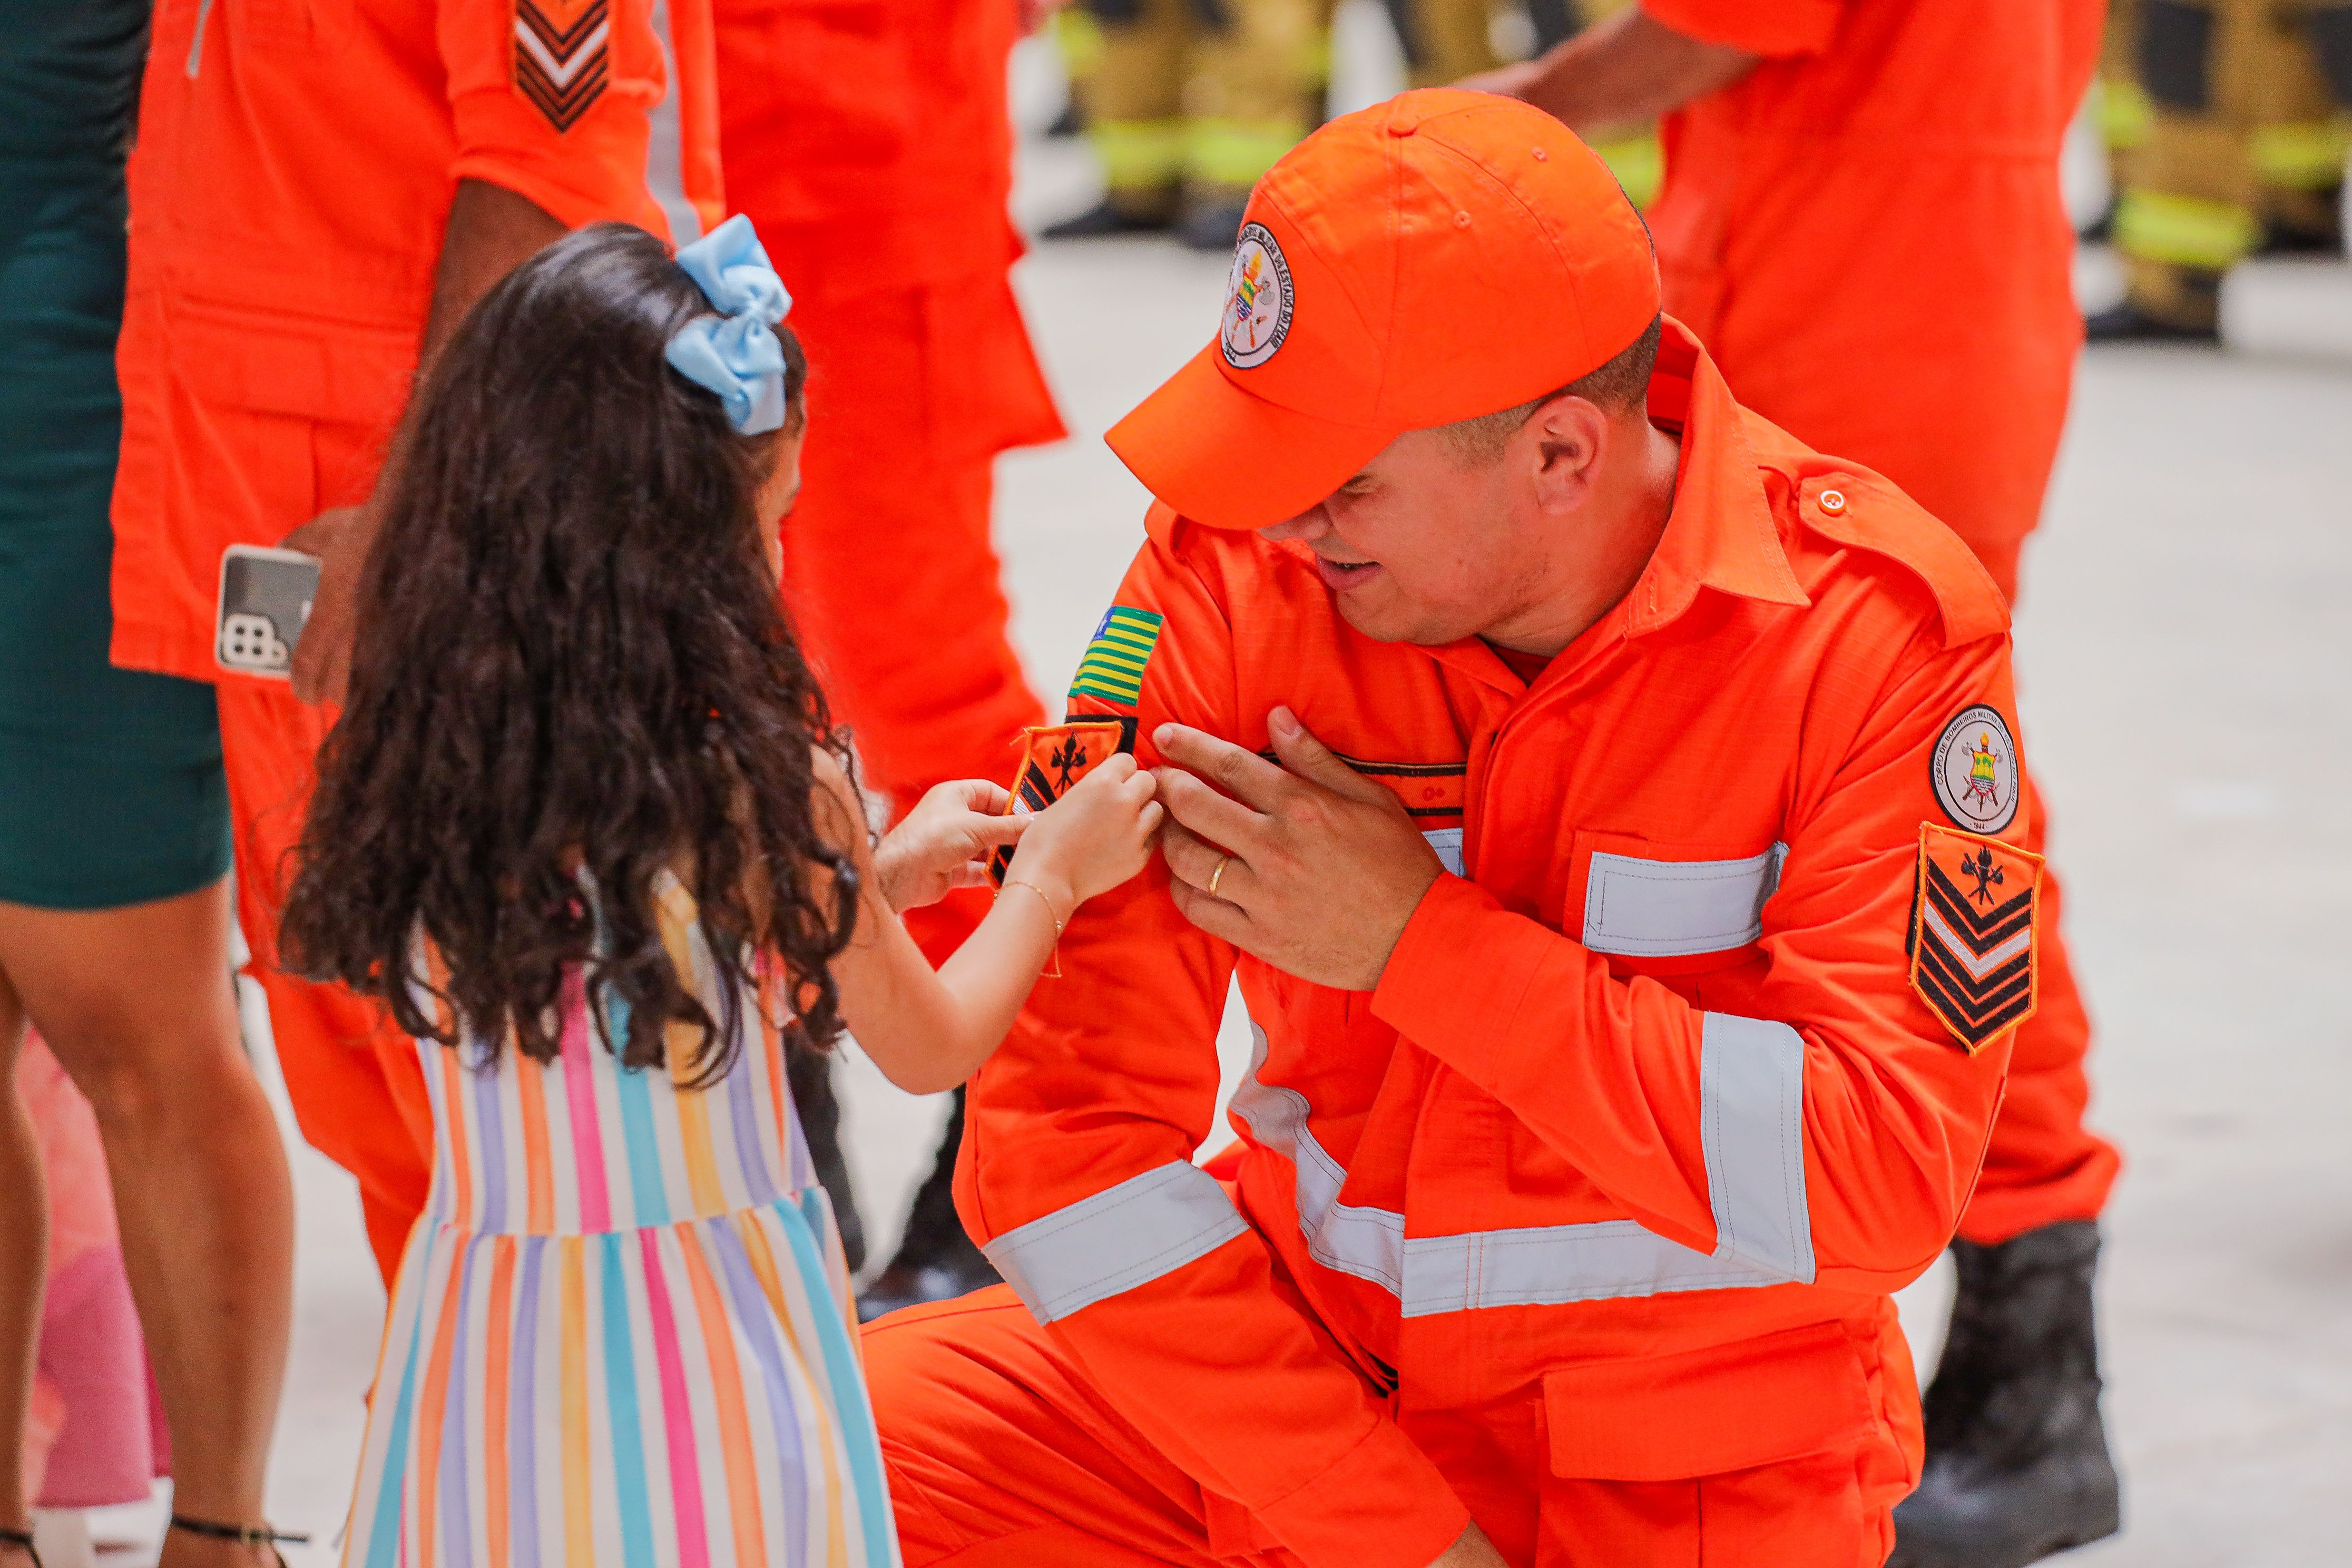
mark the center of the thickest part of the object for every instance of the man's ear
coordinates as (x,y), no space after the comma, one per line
(1567,439)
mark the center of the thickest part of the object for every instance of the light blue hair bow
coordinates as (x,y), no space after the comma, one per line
(734,353)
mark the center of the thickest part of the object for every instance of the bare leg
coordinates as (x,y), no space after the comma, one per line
(24,1265)
(137,1005)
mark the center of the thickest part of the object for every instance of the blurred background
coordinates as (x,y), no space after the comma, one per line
(2186,664)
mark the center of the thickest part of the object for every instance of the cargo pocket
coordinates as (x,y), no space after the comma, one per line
(1735,1454)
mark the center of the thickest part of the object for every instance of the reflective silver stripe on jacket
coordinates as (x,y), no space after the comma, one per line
(1119,1238)
(1751,1128)
(666,144)
(1664,908)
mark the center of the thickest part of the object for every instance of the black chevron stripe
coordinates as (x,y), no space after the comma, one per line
(564,108)
(1971,1004)
(1975,1028)
(1935,953)
(1037,793)
(1984,941)
(1938,880)
(561,41)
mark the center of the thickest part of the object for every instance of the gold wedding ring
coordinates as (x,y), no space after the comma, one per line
(1219,874)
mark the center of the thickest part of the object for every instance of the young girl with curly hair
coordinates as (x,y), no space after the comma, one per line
(585,827)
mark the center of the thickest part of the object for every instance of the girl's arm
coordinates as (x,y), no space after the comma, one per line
(929,1030)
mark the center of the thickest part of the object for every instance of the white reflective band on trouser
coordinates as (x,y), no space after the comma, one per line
(1120,1237)
(1666,909)
(1752,1128)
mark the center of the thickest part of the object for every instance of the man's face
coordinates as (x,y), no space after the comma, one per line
(1420,546)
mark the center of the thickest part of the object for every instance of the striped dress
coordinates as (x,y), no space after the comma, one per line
(620,1337)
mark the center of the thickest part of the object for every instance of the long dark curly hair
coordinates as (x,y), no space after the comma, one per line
(573,674)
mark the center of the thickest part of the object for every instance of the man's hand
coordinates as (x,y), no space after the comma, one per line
(1471,1549)
(944,843)
(1316,869)
(340,538)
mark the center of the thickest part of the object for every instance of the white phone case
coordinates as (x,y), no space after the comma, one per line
(265,600)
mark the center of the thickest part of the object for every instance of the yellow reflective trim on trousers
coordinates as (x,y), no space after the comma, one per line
(1079,38)
(2307,156)
(1139,154)
(1639,164)
(2185,231)
(2126,114)
(1235,153)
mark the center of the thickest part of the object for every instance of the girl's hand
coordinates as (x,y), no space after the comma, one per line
(1092,839)
(943,844)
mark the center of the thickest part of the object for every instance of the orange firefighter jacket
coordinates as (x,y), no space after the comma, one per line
(289,194)
(1686,1063)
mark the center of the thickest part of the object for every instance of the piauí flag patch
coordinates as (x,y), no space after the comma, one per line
(1054,758)
(1976,914)
(1112,669)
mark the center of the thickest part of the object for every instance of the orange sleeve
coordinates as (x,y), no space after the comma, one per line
(1077,1175)
(555,100)
(1767,27)
(1832,1136)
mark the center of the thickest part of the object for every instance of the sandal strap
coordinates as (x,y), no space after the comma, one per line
(250,1534)
(23,1538)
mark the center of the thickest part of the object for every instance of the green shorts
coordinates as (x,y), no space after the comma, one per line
(112,790)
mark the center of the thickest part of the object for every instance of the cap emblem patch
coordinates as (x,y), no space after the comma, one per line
(1975,771)
(1257,302)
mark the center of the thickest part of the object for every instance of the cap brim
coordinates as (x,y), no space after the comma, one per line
(1220,456)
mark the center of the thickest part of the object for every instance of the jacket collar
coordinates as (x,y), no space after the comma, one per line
(1720,533)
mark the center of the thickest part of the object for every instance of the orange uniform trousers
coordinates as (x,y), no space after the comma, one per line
(1071,1483)
(1867,234)
(889,573)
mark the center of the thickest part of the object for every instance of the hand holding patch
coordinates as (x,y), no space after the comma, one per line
(1310,866)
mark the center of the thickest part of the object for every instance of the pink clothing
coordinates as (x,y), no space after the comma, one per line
(94,1436)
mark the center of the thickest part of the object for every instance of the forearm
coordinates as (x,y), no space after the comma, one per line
(491,231)
(1626,71)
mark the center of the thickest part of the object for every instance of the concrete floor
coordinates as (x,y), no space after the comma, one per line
(2186,655)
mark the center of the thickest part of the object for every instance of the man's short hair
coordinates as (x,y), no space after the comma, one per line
(1617,386)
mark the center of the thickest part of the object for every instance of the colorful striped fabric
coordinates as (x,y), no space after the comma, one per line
(620,1335)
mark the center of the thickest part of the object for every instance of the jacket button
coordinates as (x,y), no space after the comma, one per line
(1832,501)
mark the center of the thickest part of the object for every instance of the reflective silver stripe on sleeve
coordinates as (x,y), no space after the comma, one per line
(1665,908)
(666,144)
(1120,1237)
(1752,1099)
(1447,842)
(1367,1243)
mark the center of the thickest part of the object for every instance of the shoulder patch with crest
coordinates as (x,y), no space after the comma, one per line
(1112,669)
(1976,914)
(1974,770)
(1054,758)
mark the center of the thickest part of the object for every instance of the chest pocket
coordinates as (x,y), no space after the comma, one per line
(1647,901)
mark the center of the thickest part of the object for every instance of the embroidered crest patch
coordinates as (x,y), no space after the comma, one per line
(562,56)
(1975,770)
(1974,918)
(1053,757)
(1112,669)
(1257,300)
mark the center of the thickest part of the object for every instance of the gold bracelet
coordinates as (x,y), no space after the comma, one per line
(1054,956)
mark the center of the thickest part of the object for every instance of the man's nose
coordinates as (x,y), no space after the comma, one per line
(1309,526)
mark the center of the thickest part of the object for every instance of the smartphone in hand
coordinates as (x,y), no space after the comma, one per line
(266,595)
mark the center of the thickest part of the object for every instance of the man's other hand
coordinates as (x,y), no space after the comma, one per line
(339,537)
(1309,866)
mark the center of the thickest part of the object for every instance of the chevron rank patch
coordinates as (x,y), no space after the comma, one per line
(1112,669)
(1975,917)
(562,56)
(1053,757)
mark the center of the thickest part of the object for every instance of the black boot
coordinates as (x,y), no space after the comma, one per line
(1210,225)
(2128,323)
(936,1261)
(1108,217)
(810,1074)
(2017,1456)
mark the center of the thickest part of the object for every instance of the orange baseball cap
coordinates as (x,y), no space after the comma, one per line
(1438,256)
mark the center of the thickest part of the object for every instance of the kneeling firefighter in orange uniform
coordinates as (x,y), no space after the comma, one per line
(1633,920)
(318,193)
(872,149)
(1861,217)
